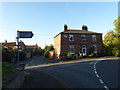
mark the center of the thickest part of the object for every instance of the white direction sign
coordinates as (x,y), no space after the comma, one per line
(25,34)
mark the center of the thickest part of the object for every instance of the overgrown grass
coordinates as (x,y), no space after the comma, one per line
(7,71)
(7,68)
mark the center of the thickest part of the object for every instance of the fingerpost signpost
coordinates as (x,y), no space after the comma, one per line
(23,34)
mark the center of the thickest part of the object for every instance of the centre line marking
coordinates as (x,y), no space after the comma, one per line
(99,76)
(101,80)
(95,72)
(106,87)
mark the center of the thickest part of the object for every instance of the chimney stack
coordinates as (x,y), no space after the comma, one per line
(65,27)
(84,27)
(5,41)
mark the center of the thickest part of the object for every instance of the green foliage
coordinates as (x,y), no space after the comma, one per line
(40,51)
(7,71)
(112,40)
(6,56)
(47,49)
(69,55)
(47,58)
(81,56)
(92,55)
(22,55)
(64,57)
(7,68)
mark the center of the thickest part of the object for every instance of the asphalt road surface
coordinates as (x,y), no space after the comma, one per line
(90,74)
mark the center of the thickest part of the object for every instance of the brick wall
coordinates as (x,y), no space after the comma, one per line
(57,45)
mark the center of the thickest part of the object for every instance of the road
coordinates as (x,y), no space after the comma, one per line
(37,60)
(90,74)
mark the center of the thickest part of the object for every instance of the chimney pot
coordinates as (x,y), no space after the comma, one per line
(5,41)
(84,27)
(65,27)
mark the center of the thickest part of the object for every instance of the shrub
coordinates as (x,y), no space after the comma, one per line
(64,58)
(81,57)
(69,56)
(91,55)
(22,55)
(46,54)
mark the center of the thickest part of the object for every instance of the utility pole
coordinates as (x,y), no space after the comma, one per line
(18,44)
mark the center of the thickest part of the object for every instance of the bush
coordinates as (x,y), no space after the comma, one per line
(69,56)
(6,54)
(46,54)
(22,55)
(91,55)
(81,57)
(64,58)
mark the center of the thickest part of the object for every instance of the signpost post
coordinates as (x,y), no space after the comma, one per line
(23,34)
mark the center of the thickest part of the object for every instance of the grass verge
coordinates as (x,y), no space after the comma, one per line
(8,73)
(47,58)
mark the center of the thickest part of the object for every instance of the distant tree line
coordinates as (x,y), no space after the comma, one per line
(10,55)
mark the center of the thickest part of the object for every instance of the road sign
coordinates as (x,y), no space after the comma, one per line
(25,34)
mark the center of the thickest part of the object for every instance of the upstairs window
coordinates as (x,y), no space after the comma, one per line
(94,37)
(71,37)
(95,48)
(83,37)
(72,49)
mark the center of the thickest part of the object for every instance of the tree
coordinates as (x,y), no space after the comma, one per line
(116,41)
(112,40)
(47,49)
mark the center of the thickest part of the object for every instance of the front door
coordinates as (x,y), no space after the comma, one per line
(84,50)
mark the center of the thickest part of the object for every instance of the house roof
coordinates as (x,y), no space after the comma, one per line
(72,31)
(9,44)
(31,46)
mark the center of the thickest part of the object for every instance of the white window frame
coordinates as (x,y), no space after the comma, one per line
(72,51)
(71,36)
(95,48)
(94,38)
(83,36)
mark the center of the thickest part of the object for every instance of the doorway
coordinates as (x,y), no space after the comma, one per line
(84,50)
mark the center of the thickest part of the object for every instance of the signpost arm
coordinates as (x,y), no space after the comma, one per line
(23,34)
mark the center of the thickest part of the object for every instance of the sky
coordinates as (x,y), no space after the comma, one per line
(46,19)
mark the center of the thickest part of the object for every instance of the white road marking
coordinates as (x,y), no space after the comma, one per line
(94,69)
(95,72)
(91,62)
(106,87)
(101,81)
(97,75)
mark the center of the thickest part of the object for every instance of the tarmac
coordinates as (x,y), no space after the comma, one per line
(40,80)
(34,79)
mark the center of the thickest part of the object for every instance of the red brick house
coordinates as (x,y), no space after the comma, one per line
(75,41)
